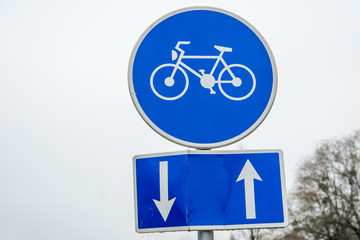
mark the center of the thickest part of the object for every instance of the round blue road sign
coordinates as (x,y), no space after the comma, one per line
(202,77)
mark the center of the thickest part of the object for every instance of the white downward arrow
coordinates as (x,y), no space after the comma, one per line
(164,205)
(248,173)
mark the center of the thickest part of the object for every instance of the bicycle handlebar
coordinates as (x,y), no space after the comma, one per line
(179,43)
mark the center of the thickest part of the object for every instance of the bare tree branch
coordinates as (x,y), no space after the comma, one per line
(325,203)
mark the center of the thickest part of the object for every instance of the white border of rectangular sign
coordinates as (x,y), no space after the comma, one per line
(214,227)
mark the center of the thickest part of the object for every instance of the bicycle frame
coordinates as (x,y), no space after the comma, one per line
(218,58)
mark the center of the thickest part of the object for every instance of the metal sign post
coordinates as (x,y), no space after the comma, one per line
(205,78)
(206,235)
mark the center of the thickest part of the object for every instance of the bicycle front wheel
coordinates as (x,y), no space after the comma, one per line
(236,82)
(166,87)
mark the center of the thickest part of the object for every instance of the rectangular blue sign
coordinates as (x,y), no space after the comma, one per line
(209,190)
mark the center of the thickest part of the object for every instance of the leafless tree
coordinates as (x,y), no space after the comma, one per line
(257,234)
(251,234)
(326,201)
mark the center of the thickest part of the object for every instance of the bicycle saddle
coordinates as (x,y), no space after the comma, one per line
(223,49)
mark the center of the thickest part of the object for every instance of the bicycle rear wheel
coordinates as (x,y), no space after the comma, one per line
(238,83)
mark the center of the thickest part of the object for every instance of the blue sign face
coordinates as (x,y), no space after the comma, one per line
(200,190)
(202,77)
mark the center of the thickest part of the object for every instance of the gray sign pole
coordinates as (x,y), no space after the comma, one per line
(206,235)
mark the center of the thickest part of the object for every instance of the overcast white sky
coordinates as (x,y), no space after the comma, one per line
(69,130)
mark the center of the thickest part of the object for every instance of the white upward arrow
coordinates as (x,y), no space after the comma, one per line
(248,173)
(164,205)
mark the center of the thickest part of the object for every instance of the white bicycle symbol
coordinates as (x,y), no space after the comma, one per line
(206,80)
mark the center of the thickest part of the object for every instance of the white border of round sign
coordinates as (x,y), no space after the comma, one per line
(191,144)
